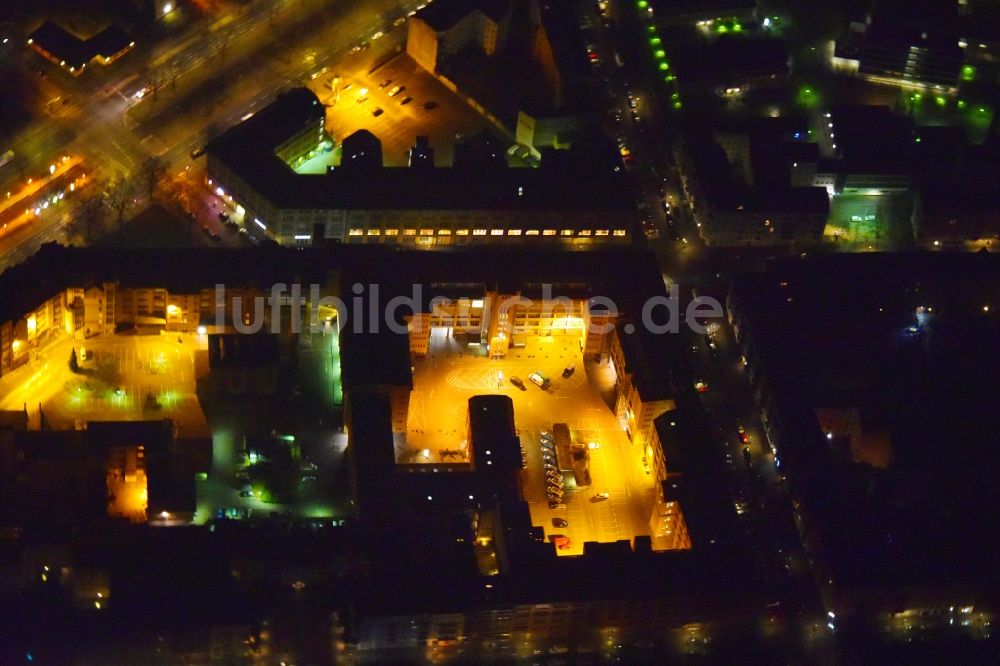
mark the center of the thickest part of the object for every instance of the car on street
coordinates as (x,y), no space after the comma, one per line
(568,371)
(742,432)
(539,380)
(601,496)
(197,152)
(396,90)
(518,382)
(429,106)
(701,386)
(560,522)
(359,48)
(556,505)
(385,83)
(405,101)
(377,112)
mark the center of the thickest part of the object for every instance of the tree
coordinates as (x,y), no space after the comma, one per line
(74,365)
(225,38)
(88,220)
(152,171)
(119,197)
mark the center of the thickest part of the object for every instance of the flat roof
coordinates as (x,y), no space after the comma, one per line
(872,139)
(444,14)
(61,44)
(731,59)
(248,149)
(77,52)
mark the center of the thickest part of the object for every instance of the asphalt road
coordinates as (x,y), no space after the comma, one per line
(95,121)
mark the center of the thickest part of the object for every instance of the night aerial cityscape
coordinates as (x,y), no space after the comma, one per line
(499,331)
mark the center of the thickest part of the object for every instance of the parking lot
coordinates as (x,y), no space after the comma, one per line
(121,377)
(436,431)
(352,94)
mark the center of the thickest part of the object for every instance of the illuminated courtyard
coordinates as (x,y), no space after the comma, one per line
(120,378)
(452,373)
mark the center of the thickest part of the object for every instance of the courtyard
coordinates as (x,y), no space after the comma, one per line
(120,378)
(453,372)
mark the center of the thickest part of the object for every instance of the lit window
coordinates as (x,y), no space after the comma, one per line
(496,232)
(479,232)
(619,232)
(567,232)
(549,232)
(444,232)
(585,232)
(356,232)
(514,232)
(602,232)
(409,232)
(462,232)
(392,232)
(426,232)
(374,232)
(531,232)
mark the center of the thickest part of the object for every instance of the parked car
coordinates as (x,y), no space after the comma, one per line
(742,432)
(560,522)
(539,380)
(518,382)
(561,541)
(568,371)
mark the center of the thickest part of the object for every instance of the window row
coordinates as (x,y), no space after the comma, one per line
(483,232)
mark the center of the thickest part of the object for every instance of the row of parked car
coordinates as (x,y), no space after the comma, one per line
(554,483)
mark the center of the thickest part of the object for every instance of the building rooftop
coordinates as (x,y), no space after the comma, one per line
(75,52)
(62,44)
(731,61)
(444,14)
(248,149)
(873,140)
(718,7)
(922,376)
(110,41)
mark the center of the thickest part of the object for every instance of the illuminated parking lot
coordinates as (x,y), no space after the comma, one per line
(352,94)
(436,431)
(121,378)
